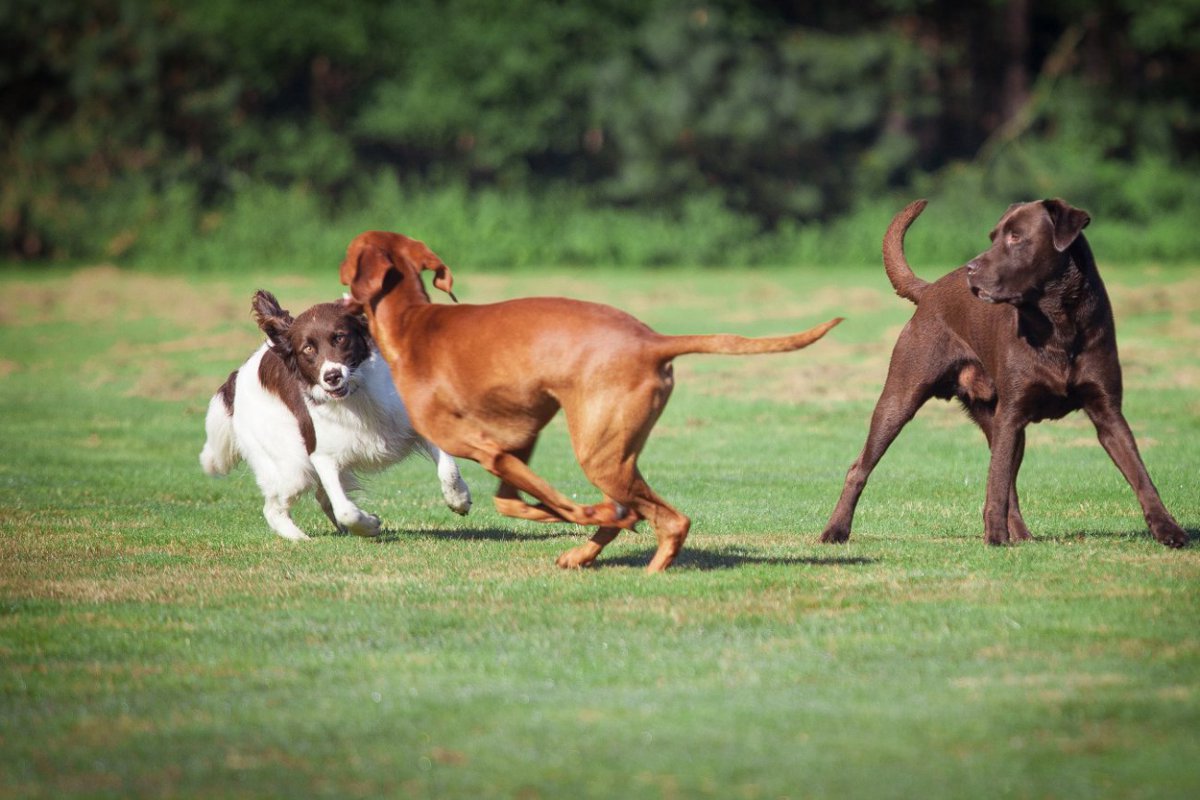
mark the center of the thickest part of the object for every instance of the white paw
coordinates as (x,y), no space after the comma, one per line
(361,523)
(293,535)
(458,496)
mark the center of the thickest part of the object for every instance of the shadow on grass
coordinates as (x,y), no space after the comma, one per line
(691,558)
(478,535)
(705,560)
(1066,537)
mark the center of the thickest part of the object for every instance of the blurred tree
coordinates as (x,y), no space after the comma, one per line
(787,125)
(787,110)
(496,90)
(90,93)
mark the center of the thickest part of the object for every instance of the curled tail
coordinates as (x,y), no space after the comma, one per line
(220,453)
(906,284)
(729,344)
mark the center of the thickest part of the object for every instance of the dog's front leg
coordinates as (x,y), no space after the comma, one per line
(1117,440)
(454,489)
(347,514)
(326,506)
(902,396)
(516,475)
(1007,445)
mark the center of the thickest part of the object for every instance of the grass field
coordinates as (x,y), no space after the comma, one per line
(158,641)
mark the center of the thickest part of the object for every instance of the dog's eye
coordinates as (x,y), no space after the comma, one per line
(308,350)
(339,338)
(1013,237)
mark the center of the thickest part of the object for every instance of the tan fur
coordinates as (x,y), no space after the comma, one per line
(483,380)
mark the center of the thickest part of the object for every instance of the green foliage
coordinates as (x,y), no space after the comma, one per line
(493,89)
(274,229)
(94,95)
(782,127)
(684,132)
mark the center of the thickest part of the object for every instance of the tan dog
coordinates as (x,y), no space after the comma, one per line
(483,380)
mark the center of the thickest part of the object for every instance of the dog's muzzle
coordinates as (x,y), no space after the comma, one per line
(972,278)
(334,382)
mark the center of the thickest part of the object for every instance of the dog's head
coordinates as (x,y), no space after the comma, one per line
(379,263)
(323,347)
(1029,246)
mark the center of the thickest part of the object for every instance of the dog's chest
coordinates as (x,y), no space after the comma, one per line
(369,429)
(1052,391)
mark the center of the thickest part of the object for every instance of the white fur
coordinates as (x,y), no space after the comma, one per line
(368,430)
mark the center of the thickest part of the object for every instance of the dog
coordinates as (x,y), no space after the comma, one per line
(311,407)
(482,380)
(1022,333)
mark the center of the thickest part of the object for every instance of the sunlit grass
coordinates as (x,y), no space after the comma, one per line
(157,640)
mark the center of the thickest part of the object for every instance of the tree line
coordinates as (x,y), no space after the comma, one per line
(783,113)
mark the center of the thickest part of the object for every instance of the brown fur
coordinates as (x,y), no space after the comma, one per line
(481,381)
(298,348)
(1023,333)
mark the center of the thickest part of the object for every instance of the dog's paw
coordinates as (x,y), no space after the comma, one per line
(1018,531)
(836,534)
(458,497)
(577,557)
(1019,534)
(364,525)
(999,538)
(1169,533)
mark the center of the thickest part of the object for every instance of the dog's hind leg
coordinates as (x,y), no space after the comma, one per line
(627,487)
(670,527)
(899,402)
(345,513)
(585,554)
(455,491)
(608,434)
(508,500)
(516,476)
(278,512)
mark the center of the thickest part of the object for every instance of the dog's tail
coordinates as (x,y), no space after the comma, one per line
(906,284)
(729,344)
(220,453)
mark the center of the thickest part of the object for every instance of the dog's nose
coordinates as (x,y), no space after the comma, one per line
(333,377)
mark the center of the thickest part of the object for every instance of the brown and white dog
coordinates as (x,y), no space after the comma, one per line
(310,408)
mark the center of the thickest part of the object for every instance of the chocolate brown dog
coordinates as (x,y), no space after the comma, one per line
(1022,333)
(483,380)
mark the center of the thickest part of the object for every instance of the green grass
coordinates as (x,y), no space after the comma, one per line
(158,641)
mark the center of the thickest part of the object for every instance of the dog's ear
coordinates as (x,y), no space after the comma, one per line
(1068,221)
(358,323)
(421,257)
(443,279)
(364,270)
(273,319)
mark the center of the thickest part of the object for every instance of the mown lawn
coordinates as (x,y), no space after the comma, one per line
(158,641)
